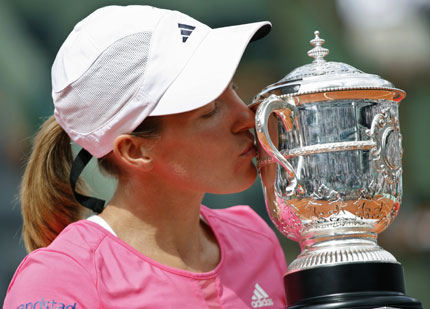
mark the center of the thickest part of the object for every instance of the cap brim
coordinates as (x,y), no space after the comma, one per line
(210,69)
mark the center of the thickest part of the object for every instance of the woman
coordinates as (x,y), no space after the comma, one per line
(148,92)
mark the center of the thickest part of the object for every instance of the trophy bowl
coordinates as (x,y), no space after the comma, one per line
(329,157)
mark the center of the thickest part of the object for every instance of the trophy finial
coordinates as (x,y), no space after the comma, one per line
(318,52)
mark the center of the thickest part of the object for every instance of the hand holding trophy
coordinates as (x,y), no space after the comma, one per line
(329,156)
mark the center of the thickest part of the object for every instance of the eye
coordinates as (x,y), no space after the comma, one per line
(213,111)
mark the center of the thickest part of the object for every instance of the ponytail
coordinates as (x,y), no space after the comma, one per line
(47,200)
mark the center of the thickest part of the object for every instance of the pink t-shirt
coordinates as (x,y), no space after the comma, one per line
(88,267)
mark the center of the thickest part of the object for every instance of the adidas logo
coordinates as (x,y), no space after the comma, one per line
(260,298)
(186,31)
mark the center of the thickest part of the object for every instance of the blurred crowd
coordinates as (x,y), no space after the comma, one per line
(390,38)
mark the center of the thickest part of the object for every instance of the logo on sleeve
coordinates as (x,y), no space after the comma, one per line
(186,31)
(46,304)
(260,298)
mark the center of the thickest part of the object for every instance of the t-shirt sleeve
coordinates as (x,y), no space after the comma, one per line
(51,279)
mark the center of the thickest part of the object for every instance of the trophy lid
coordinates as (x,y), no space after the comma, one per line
(323,76)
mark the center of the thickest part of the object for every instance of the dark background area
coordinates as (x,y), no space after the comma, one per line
(390,38)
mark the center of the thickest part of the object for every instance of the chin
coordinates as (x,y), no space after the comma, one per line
(235,186)
(247,182)
(237,182)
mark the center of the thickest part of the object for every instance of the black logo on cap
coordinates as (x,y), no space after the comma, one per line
(186,31)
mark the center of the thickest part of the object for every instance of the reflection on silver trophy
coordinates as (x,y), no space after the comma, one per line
(329,156)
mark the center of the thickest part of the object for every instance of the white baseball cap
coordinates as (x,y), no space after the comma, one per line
(124,63)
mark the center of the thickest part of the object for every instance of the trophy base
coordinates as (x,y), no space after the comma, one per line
(353,285)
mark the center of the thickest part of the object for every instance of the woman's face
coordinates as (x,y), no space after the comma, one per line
(209,149)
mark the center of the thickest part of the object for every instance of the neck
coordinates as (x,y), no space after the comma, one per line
(163,224)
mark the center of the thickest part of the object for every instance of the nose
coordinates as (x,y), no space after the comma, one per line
(244,117)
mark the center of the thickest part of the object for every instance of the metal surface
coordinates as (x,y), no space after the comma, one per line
(323,76)
(329,156)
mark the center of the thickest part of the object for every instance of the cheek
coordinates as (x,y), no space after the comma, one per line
(179,169)
(200,167)
(207,161)
(209,171)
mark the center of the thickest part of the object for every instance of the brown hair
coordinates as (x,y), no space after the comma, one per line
(47,201)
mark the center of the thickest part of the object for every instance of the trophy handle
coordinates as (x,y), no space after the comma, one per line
(286,110)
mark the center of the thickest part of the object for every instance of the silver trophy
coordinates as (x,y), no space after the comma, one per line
(329,157)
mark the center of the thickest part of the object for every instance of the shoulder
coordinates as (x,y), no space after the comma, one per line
(77,242)
(241,217)
(63,272)
(79,235)
(75,245)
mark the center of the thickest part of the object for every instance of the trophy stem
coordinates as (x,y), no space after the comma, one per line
(334,249)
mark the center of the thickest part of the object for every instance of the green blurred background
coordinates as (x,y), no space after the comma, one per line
(390,38)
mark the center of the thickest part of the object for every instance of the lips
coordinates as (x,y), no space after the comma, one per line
(249,150)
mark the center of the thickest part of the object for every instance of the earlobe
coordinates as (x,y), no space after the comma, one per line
(132,152)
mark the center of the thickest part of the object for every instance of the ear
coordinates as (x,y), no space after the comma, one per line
(133,152)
